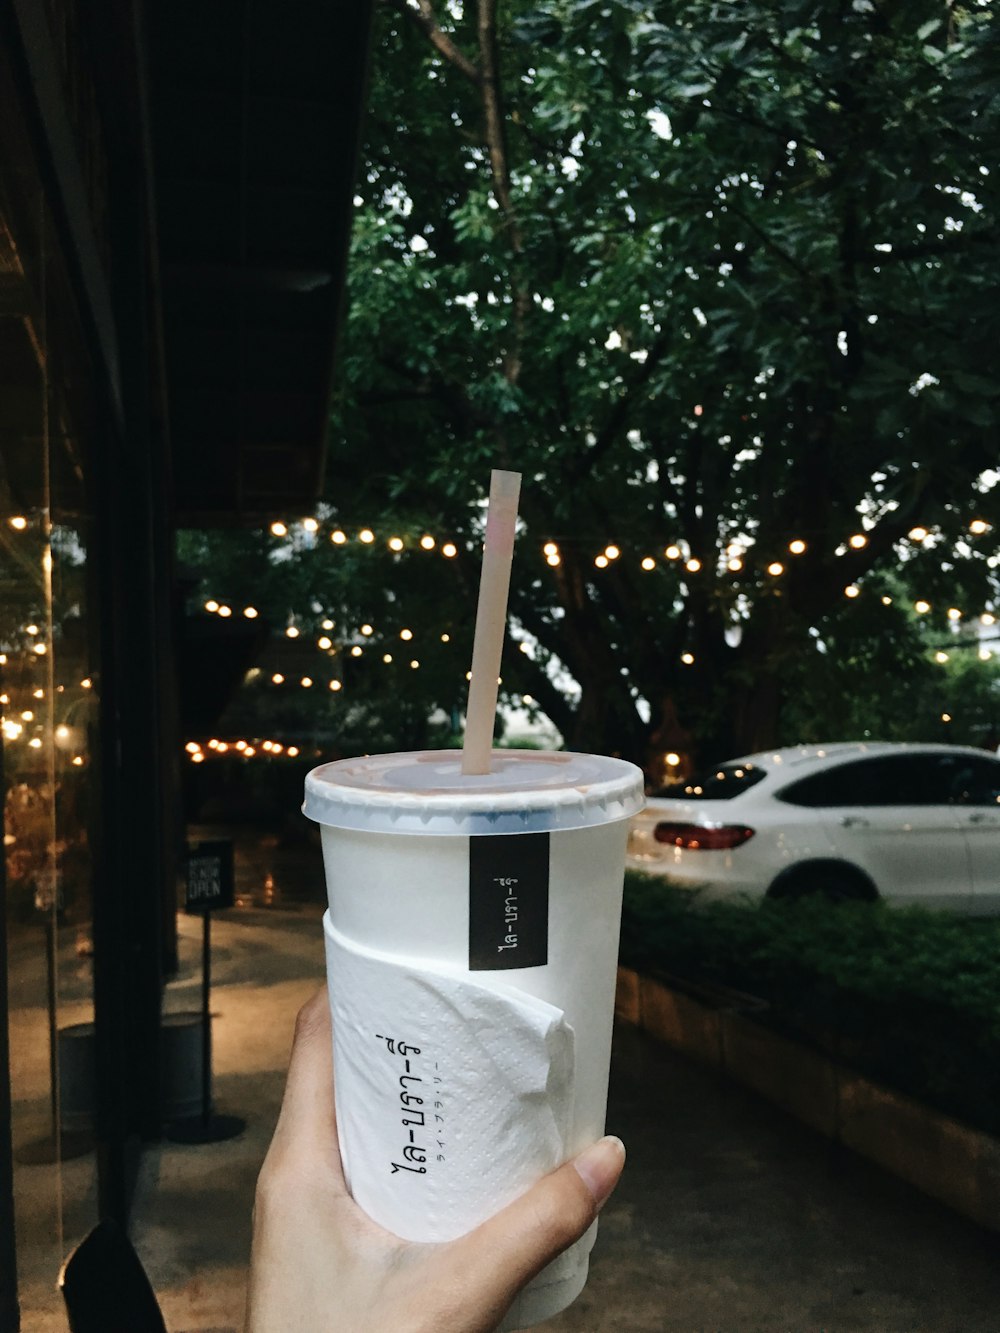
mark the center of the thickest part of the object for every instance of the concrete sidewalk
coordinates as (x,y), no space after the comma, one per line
(731,1216)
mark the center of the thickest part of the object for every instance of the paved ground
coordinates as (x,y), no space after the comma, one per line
(731,1217)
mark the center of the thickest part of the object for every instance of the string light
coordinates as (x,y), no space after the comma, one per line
(954,613)
(775,568)
(886,601)
(337,537)
(327,624)
(292,632)
(550,548)
(450,550)
(225,612)
(940,657)
(612,552)
(858,541)
(395,543)
(852,590)
(406,634)
(367,629)
(18,522)
(78,760)
(366,535)
(310,525)
(324,643)
(336,685)
(414,664)
(918,534)
(356,651)
(945,717)
(278,529)
(601,561)
(648,563)
(278,678)
(987,619)
(673,552)
(39,648)
(735,565)
(35,743)
(250,612)
(31,629)
(921,607)
(446,638)
(687,659)
(387,658)
(693,565)
(979,526)
(427,542)
(553,560)
(672,759)
(306,682)
(797,546)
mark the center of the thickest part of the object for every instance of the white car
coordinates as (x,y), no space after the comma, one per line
(908,823)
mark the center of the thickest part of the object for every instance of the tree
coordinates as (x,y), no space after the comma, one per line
(716,278)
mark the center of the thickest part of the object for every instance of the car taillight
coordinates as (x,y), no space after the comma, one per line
(693,837)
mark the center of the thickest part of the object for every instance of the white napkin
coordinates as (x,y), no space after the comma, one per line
(453,1095)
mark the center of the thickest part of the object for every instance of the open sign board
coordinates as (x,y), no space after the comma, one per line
(209,883)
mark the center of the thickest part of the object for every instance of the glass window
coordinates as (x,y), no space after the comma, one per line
(718,784)
(881,780)
(976,781)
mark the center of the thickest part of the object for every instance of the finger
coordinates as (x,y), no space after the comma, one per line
(308,1121)
(507,1251)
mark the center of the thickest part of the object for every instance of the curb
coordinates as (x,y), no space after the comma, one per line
(942,1157)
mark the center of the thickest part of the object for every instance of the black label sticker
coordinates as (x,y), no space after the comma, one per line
(508,901)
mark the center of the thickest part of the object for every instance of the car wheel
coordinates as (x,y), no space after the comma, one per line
(824,879)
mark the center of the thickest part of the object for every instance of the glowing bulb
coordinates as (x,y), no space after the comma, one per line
(427,542)
(279,529)
(266,746)
(222,747)
(612,552)
(366,535)
(886,600)
(387,658)
(687,658)
(954,613)
(527,699)
(276,747)
(775,568)
(241,745)
(38,694)
(293,750)
(735,565)
(249,752)
(987,619)
(553,560)
(356,651)
(449,549)
(292,631)
(277,678)
(984,654)
(797,546)
(693,565)
(192,747)
(921,607)
(858,540)
(327,624)
(979,526)
(945,717)
(940,657)
(198,758)
(305,682)
(601,561)
(852,590)
(225,612)
(395,543)
(647,563)
(27,716)
(310,525)
(367,629)
(39,648)
(31,629)
(673,552)
(406,634)
(673,759)
(250,612)
(86,683)
(18,522)
(78,760)
(337,537)
(335,685)
(414,664)
(918,534)
(324,643)
(550,548)
(446,638)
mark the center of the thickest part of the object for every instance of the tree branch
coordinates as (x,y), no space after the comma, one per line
(425,19)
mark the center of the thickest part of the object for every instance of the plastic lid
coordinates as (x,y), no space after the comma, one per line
(527,791)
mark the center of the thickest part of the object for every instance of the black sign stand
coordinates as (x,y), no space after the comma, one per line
(209,886)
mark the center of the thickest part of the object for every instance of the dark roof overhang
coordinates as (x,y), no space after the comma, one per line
(256,108)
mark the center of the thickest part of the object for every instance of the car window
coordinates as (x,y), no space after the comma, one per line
(898,779)
(718,784)
(976,781)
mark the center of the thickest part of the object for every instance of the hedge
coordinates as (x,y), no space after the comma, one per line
(906,996)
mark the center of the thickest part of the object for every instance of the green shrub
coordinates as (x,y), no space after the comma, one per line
(907,996)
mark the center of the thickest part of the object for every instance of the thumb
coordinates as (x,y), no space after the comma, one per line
(508,1250)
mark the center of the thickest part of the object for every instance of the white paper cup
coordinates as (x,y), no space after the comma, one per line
(510,881)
